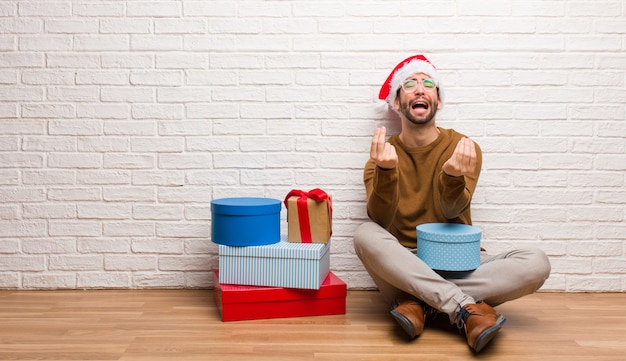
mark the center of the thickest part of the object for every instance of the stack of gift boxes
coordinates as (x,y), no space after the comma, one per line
(263,274)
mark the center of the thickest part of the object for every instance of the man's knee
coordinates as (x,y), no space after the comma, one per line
(542,265)
(538,266)
(368,236)
(360,235)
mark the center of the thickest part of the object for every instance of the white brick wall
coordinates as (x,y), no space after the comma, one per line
(121,120)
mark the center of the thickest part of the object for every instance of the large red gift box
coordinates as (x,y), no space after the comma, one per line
(237,302)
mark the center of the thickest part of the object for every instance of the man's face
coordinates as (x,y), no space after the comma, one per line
(416,101)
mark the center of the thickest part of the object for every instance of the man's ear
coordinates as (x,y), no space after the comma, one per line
(396,103)
(439,100)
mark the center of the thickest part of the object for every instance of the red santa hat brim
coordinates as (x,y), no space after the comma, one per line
(407,67)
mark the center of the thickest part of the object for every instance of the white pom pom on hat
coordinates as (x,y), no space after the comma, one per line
(406,68)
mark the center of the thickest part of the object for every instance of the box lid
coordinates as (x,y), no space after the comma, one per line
(245,206)
(448,232)
(282,249)
(332,286)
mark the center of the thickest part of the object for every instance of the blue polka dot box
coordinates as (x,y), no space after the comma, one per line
(449,246)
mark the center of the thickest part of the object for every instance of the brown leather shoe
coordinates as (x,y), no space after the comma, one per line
(410,315)
(481,323)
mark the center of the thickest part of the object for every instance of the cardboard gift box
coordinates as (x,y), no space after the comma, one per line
(309,216)
(245,221)
(236,302)
(449,246)
(282,264)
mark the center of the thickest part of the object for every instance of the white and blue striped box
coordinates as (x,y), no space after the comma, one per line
(282,264)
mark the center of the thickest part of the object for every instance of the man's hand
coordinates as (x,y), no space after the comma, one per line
(463,160)
(381,152)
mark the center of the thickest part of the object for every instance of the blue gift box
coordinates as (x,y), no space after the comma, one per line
(449,246)
(283,264)
(245,221)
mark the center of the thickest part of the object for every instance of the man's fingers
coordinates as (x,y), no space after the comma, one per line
(374,146)
(381,151)
(467,154)
(463,160)
(378,142)
(472,154)
(383,132)
(390,151)
(463,153)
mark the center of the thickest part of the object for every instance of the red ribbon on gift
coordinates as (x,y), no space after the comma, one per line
(317,195)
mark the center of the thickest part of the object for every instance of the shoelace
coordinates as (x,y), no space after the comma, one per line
(460,318)
(429,311)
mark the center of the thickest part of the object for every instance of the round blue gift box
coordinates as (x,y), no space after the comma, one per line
(449,246)
(245,221)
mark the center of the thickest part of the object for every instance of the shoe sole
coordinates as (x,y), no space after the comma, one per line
(488,334)
(404,323)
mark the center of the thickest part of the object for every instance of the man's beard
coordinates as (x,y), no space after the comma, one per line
(405,109)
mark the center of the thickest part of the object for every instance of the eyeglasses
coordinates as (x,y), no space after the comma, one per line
(410,85)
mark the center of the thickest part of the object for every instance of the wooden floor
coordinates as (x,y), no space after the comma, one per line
(185,325)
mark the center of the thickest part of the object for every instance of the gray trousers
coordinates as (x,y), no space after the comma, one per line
(397,271)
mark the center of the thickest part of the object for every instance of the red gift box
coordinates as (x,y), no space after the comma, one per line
(237,303)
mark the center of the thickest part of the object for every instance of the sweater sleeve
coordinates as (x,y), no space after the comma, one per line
(382,193)
(456,192)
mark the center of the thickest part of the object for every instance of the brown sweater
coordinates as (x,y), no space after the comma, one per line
(417,191)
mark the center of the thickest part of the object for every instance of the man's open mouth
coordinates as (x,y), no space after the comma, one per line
(419,105)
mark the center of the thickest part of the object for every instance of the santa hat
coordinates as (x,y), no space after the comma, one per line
(406,68)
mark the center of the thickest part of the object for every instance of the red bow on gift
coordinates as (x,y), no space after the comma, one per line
(317,195)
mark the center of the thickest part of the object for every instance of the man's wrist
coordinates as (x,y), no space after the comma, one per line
(451,176)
